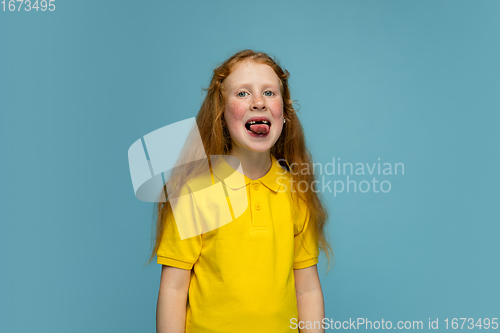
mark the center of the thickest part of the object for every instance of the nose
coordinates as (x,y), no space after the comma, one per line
(258,103)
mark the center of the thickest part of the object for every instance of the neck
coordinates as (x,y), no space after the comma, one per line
(255,164)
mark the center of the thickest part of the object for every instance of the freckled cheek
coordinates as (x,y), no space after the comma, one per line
(276,107)
(235,112)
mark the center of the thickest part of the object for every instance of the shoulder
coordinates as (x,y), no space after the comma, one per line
(199,181)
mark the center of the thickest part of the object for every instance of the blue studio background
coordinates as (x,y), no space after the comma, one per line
(412,82)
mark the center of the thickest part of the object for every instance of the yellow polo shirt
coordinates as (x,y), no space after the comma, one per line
(242,272)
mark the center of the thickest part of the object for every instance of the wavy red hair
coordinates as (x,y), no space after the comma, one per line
(290,147)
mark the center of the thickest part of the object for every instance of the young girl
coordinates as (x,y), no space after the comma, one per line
(258,272)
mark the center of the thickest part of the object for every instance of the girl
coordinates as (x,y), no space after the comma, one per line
(257,273)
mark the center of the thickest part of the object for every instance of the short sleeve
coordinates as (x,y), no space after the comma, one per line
(306,241)
(174,251)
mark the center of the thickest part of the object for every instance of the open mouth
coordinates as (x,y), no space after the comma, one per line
(259,127)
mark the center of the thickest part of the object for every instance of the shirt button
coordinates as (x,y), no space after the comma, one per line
(256,186)
(257,206)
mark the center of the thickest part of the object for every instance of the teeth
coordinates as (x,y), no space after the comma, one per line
(253,122)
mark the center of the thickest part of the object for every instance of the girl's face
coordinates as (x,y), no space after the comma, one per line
(252,93)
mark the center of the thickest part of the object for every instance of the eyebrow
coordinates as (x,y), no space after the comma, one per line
(262,85)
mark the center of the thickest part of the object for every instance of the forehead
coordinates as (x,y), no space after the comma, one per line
(249,71)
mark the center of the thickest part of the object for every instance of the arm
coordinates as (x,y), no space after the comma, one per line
(172,298)
(310,302)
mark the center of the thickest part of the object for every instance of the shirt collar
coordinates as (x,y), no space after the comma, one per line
(273,179)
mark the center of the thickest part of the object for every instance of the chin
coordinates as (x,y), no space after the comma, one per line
(260,150)
(257,148)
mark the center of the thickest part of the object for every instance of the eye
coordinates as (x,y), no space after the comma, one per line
(270,93)
(241,92)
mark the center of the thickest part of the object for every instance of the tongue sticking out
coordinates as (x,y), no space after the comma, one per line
(259,128)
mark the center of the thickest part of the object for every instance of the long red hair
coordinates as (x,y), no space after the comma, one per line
(290,149)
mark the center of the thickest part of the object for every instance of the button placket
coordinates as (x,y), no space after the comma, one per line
(256,188)
(257,218)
